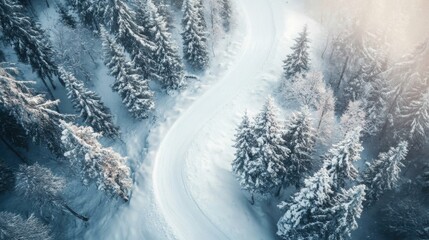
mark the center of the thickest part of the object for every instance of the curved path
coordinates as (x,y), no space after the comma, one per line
(179,208)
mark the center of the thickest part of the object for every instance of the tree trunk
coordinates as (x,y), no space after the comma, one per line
(51,95)
(342,73)
(252,200)
(69,209)
(12,149)
(278,191)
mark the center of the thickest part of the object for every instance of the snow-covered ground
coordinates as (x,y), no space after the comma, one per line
(185,188)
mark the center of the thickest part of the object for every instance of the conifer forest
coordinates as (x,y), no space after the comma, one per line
(214,119)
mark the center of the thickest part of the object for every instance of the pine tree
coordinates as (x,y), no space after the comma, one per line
(383,173)
(339,160)
(195,47)
(168,65)
(94,161)
(33,113)
(39,185)
(89,105)
(375,104)
(131,86)
(346,212)
(244,162)
(226,14)
(199,6)
(306,213)
(298,61)
(410,71)
(299,138)
(268,167)
(354,117)
(414,115)
(29,41)
(14,226)
(121,19)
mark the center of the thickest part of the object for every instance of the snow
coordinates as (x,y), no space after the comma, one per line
(184,187)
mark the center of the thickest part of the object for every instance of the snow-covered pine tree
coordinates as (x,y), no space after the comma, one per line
(39,185)
(244,160)
(168,67)
(375,104)
(226,14)
(94,161)
(121,19)
(131,86)
(339,160)
(298,62)
(299,138)
(35,114)
(199,6)
(30,42)
(306,213)
(353,117)
(268,166)
(348,208)
(325,112)
(383,173)
(195,46)
(14,226)
(408,72)
(414,115)
(89,105)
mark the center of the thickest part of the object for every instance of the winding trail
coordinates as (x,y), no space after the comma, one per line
(177,205)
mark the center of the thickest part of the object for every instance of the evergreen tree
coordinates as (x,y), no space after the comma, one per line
(354,117)
(299,138)
(33,113)
(15,227)
(168,65)
(383,173)
(244,162)
(339,160)
(306,214)
(195,47)
(199,6)
(39,185)
(89,105)
(29,41)
(226,14)
(346,212)
(375,104)
(298,61)
(94,161)
(411,71)
(131,86)
(414,115)
(268,167)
